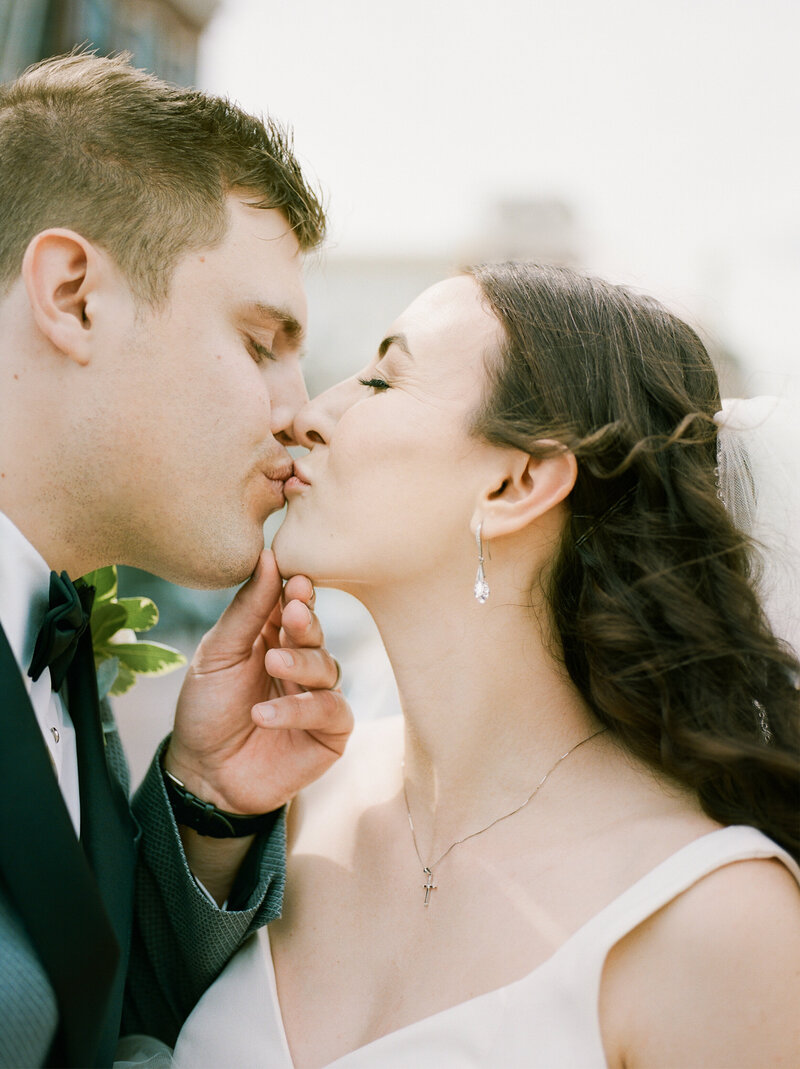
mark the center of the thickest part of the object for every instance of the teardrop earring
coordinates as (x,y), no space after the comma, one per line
(481,588)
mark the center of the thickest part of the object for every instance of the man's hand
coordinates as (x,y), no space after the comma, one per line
(251,729)
(256,720)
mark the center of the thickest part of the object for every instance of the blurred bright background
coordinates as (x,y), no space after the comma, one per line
(651,141)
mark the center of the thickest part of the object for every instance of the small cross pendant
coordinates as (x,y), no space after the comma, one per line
(429,885)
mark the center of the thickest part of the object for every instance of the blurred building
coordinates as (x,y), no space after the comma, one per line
(353,299)
(162,35)
(543,229)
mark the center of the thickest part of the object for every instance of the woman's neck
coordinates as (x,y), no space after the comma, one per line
(488,709)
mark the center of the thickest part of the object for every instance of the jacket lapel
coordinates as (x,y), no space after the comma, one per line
(108,830)
(41,862)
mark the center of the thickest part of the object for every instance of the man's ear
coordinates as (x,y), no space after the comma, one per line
(529,488)
(59,272)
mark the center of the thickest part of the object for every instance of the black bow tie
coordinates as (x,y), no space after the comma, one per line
(64,623)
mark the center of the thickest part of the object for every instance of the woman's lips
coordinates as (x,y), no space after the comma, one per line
(299,481)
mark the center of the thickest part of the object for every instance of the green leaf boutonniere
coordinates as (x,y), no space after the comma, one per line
(119,656)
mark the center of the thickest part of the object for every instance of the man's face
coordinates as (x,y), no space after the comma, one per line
(206,390)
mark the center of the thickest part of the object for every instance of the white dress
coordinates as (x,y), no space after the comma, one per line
(546,1020)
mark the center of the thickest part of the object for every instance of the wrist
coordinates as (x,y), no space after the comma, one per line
(215,863)
(192,776)
(207,819)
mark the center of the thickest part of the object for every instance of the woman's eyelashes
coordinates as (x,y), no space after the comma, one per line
(375,384)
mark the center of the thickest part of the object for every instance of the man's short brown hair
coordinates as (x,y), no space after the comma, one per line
(139,167)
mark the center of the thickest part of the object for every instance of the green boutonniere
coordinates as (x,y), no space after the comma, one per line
(119,656)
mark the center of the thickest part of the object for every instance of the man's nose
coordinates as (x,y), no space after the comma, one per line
(288,395)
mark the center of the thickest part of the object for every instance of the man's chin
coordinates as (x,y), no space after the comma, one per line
(240,571)
(219,574)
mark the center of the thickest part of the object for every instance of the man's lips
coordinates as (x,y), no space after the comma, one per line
(277,477)
(281,474)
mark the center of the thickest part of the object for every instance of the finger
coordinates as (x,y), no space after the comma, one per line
(321,712)
(304,628)
(271,630)
(299,588)
(314,669)
(300,626)
(241,623)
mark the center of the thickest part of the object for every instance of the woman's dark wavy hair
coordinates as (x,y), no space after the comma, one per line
(651,591)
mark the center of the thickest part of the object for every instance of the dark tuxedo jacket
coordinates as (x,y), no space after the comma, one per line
(110,931)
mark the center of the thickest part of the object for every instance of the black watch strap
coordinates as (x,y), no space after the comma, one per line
(206,819)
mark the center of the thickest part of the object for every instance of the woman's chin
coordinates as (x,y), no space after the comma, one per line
(289,561)
(290,557)
(294,557)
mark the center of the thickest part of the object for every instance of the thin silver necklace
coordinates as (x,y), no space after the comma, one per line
(427,870)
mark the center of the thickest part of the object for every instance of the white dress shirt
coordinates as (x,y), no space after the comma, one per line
(24,600)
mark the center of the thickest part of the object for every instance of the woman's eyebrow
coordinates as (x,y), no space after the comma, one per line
(399,340)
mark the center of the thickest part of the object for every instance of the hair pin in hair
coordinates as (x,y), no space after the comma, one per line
(618,504)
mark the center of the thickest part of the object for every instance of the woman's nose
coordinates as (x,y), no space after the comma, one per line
(311,425)
(314,423)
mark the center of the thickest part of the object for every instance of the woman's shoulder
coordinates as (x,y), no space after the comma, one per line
(734,910)
(723,954)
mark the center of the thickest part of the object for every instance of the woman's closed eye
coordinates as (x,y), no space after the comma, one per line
(375,384)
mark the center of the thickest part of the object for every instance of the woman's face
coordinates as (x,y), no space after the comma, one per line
(389,490)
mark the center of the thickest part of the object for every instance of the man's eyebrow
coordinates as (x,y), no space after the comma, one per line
(273,314)
(399,340)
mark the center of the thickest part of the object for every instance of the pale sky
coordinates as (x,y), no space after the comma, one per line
(671,127)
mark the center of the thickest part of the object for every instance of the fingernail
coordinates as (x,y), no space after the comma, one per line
(267,713)
(286,657)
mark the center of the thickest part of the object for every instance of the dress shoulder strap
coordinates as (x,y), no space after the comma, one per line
(672,877)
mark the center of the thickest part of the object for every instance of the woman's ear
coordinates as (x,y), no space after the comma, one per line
(529,488)
(59,272)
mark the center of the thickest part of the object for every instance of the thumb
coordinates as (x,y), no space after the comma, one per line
(240,625)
